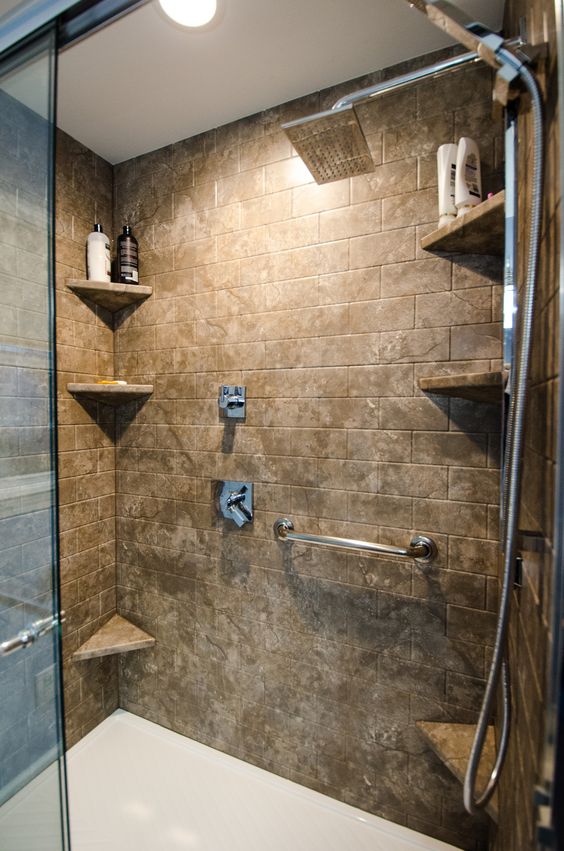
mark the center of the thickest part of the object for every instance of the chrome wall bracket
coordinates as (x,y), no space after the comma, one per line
(232,401)
(235,501)
(28,636)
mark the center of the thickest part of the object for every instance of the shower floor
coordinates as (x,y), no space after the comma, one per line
(134,786)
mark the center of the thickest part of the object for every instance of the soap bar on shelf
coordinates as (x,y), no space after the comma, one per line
(111,382)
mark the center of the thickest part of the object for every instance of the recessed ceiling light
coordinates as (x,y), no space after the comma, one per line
(190,13)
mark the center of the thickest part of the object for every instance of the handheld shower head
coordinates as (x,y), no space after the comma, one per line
(331,144)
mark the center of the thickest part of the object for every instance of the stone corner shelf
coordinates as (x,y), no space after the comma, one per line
(111,394)
(476,386)
(452,743)
(118,635)
(112,297)
(481,231)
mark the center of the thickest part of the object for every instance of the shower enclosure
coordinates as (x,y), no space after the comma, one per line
(31,711)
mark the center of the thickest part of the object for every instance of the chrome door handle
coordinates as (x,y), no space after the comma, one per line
(26,637)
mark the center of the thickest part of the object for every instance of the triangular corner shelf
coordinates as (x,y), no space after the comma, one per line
(452,743)
(111,394)
(118,635)
(110,296)
(476,386)
(481,231)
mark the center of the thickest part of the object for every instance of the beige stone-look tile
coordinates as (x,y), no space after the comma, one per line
(476,341)
(380,509)
(324,351)
(415,346)
(474,556)
(415,277)
(270,149)
(418,137)
(196,253)
(286,174)
(240,187)
(312,198)
(371,445)
(450,448)
(217,165)
(214,221)
(474,485)
(382,248)
(195,198)
(278,295)
(242,243)
(239,300)
(381,380)
(392,178)
(461,307)
(267,209)
(356,220)
(382,315)
(415,414)
(458,518)
(293,233)
(411,208)
(357,285)
(413,480)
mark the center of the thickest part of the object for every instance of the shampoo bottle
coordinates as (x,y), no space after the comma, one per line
(468,192)
(127,257)
(98,265)
(446,173)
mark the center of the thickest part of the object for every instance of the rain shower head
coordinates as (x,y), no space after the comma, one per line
(331,144)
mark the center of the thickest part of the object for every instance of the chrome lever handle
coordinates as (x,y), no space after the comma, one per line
(26,637)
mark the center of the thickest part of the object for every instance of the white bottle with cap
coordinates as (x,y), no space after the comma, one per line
(446,173)
(468,187)
(98,262)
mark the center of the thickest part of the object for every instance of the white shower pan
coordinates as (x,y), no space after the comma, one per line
(134,786)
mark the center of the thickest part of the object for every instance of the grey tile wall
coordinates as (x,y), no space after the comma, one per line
(312,664)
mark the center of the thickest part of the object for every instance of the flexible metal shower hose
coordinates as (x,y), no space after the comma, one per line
(513,468)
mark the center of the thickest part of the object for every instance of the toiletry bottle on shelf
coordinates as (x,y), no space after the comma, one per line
(446,173)
(468,192)
(127,257)
(98,265)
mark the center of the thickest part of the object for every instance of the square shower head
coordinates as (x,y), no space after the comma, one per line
(331,144)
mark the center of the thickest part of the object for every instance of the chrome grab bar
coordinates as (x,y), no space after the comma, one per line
(421,548)
(28,636)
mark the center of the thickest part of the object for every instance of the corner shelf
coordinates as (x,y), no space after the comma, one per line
(118,635)
(111,394)
(480,231)
(111,296)
(452,743)
(476,386)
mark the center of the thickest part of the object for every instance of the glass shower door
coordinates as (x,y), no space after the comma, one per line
(32,788)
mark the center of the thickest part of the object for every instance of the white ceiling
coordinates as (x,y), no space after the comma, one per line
(142,82)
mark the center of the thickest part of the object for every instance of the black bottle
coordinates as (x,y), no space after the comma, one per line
(127,257)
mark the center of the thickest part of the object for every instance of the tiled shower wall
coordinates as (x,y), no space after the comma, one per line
(530,640)
(85,352)
(313,664)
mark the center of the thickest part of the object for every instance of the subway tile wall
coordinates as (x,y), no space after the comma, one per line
(85,352)
(313,664)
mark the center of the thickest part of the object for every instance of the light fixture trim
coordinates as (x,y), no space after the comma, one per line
(192,14)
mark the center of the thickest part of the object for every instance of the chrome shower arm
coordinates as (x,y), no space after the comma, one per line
(406,80)
(428,72)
